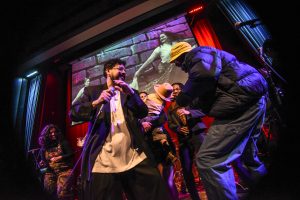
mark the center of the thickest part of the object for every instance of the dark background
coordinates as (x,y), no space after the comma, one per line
(23,20)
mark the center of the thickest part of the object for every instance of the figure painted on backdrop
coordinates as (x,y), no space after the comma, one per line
(80,92)
(186,123)
(116,160)
(158,140)
(57,158)
(166,71)
(234,93)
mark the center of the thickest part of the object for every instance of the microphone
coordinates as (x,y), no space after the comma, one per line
(112,89)
(33,150)
(260,51)
(252,23)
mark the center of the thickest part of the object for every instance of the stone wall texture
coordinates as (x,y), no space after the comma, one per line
(134,51)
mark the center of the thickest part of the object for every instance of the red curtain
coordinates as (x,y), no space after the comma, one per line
(50,107)
(206,36)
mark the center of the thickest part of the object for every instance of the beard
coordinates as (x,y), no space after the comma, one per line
(118,77)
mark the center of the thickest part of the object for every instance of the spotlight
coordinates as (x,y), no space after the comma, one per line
(31,74)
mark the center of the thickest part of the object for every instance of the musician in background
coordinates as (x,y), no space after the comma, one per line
(57,158)
(186,123)
(276,108)
(273,72)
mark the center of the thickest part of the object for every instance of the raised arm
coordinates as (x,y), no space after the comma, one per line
(79,94)
(155,54)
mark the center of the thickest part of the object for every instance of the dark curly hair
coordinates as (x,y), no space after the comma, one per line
(172,36)
(44,139)
(111,63)
(143,92)
(179,84)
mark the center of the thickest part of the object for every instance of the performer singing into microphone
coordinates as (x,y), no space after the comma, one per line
(116,159)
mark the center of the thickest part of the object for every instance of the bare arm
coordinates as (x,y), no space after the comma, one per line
(155,54)
(78,95)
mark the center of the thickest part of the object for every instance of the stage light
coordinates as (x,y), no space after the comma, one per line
(31,74)
(195,10)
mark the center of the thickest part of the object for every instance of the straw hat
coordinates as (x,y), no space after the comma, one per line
(164,91)
(178,49)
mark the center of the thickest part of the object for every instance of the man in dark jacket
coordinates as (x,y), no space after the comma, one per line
(234,94)
(187,123)
(115,156)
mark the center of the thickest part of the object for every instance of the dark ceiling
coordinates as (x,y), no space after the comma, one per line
(37,25)
(34,25)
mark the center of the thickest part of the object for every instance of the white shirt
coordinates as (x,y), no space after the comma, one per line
(117,154)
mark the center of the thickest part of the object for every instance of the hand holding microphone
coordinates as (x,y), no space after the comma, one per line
(122,86)
(104,97)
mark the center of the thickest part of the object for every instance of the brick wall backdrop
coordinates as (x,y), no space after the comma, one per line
(134,51)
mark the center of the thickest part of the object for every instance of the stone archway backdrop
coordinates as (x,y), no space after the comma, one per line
(134,51)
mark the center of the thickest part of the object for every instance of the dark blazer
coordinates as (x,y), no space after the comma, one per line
(194,120)
(133,107)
